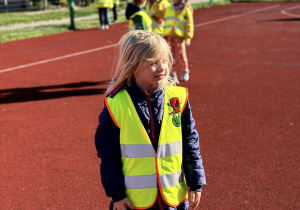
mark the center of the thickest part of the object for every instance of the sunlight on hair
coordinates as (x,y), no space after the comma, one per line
(136,50)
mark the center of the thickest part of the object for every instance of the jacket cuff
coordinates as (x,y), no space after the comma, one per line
(196,188)
(118,197)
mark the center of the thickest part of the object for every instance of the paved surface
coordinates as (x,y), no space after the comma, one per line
(244,91)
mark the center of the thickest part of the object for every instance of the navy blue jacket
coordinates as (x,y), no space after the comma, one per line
(107,143)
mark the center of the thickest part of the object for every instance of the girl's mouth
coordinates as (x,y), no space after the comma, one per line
(160,76)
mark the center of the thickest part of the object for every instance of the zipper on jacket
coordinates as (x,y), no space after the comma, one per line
(152,126)
(154,143)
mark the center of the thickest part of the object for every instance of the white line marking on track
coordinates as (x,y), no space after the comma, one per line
(236,16)
(57,58)
(112,45)
(290,14)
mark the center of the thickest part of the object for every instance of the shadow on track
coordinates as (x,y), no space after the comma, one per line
(282,20)
(17,95)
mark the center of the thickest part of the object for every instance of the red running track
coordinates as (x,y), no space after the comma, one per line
(244,91)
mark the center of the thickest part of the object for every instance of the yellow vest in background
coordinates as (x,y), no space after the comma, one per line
(146,171)
(145,17)
(103,3)
(175,21)
(156,27)
(111,4)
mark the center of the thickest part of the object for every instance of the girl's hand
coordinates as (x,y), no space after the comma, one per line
(121,205)
(187,42)
(194,199)
(157,19)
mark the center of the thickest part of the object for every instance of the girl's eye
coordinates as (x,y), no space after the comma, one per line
(154,63)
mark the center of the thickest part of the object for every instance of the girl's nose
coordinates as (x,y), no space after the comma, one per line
(160,67)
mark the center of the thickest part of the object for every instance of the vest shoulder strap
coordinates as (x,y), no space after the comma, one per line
(178,91)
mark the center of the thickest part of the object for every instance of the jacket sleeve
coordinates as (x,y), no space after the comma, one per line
(107,142)
(192,160)
(139,22)
(189,27)
(160,9)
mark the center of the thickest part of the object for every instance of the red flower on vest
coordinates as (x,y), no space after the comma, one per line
(175,104)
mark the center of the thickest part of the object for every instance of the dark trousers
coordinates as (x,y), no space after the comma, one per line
(115,12)
(103,16)
(183,206)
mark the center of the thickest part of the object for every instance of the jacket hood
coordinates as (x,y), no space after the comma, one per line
(131,9)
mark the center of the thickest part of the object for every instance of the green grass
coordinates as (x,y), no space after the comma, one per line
(29,17)
(17,34)
(11,33)
(208,5)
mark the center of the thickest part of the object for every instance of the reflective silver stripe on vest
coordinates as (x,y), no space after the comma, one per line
(101,3)
(148,27)
(169,180)
(169,26)
(169,18)
(180,21)
(169,149)
(141,182)
(137,150)
(180,28)
(157,24)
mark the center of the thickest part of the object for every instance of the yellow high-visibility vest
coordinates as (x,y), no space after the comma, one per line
(111,4)
(145,17)
(103,3)
(146,171)
(156,27)
(175,21)
(117,2)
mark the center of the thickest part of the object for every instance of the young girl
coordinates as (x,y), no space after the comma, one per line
(156,10)
(103,11)
(149,149)
(138,18)
(115,11)
(178,31)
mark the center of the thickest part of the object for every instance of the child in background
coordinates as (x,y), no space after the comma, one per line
(103,9)
(146,139)
(178,31)
(156,10)
(138,18)
(116,4)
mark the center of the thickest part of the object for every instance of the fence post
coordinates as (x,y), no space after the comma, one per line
(45,4)
(71,5)
(6,5)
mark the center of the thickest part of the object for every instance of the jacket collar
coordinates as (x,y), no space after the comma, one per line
(133,88)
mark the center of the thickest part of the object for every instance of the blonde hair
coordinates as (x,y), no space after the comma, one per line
(188,4)
(139,2)
(136,50)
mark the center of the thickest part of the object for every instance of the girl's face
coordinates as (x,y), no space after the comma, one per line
(150,77)
(144,4)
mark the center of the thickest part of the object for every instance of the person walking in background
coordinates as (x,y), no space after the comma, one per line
(156,10)
(115,12)
(103,11)
(178,31)
(137,16)
(149,148)
(111,6)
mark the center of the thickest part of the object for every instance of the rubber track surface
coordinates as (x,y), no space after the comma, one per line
(244,91)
